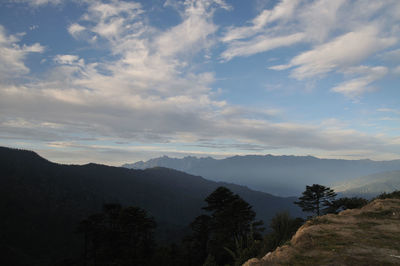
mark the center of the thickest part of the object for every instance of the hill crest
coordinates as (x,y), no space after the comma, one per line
(277,175)
(366,236)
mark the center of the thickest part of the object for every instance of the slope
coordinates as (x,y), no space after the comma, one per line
(367,236)
(42,202)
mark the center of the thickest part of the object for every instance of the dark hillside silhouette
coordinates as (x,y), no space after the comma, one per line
(42,202)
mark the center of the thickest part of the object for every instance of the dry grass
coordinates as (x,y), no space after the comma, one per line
(366,236)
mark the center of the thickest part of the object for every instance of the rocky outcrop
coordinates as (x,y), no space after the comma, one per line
(366,236)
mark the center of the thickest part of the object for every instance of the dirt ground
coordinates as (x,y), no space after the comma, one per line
(366,236)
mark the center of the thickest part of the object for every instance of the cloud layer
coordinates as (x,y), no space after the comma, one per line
(151,88)
(341,34)
(12,55)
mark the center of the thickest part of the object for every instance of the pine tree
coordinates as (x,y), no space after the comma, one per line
(346,203)
(231,221)
(118,236)
(316,199)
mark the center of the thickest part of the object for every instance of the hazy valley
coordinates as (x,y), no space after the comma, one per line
(288,175)
(44,202)
(199,132)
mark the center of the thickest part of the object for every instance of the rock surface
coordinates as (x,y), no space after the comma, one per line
(366,236)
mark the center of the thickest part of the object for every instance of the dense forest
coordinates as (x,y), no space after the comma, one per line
(228,234)
(43,203)
(92,214)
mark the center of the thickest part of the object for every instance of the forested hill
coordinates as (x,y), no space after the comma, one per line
(278,175)
(42,202)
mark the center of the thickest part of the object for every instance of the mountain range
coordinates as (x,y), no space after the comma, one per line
(278,175)
(370,186)
(42,202)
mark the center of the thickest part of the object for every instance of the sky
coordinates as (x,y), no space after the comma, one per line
(114,81)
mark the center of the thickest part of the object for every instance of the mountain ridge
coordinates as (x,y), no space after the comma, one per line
(279,175)
(371,185)
(42,202)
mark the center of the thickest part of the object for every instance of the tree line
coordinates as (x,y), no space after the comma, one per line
(318,200)
(228,232)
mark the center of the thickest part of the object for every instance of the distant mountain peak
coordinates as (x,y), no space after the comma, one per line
(285,175)
(46,201)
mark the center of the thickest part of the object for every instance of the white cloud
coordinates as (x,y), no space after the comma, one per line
(389,110)
(283,10)
(319,18)
(195,32)
(153,91)
(69,60)
(75,29)
(174,119)
(146,80)
(191,34)
(34,27)
(260,44)
(308,21)
(39,2)
(151,63)
(396,70)
(342,35)
(12,55)
(260,36)
(344,51)
(357,86)
(392,55)
(111,19)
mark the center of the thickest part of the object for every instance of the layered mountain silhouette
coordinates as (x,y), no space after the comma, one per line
(278,175)
(371,185)
(42,202)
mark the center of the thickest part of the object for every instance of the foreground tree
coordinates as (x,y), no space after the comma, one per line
(346,203)
(316,199)
(284,227)
(393,195)
(229,228)
(232,217)
(118,236)
(196,245)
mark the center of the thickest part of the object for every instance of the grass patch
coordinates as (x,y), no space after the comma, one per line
(353,260)
(320,220)
(377,215)
(287,243)
(379,240)
(299,259)
(366,225)
(330,241)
